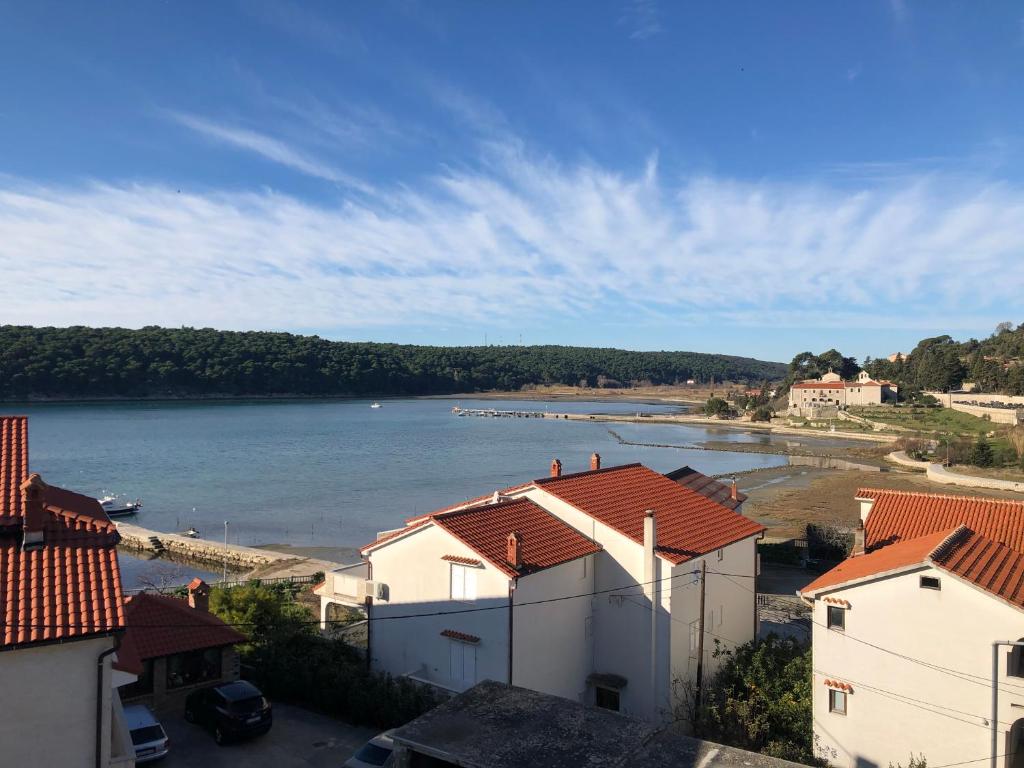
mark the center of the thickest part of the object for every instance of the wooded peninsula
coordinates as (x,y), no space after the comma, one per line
(79,363)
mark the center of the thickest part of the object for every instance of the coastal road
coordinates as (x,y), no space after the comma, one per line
(298,739)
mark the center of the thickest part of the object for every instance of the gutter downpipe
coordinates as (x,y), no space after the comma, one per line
(511,595)
(99,699)
(995,695)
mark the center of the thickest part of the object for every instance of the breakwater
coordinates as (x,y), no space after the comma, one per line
(197,550)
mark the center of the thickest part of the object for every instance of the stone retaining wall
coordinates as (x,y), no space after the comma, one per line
(200,550)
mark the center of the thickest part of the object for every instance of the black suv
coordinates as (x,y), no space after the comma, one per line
(230,710)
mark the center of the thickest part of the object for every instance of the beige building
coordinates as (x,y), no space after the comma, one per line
(907,637)
(821,398)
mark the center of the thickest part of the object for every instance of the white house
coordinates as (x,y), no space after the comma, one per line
(818,397)
(908,637)
(60,609)
(549,585)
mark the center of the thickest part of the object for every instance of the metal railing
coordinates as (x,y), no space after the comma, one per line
(164,589)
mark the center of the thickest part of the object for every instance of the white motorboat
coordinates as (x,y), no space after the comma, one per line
(119,506)
(375,405)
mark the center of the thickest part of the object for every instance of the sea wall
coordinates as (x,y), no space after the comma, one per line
(236,556)
(939,474)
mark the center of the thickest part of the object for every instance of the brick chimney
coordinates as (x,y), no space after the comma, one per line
(595,460)
(32,491)
(734,492)
(514,554)
(199,595)
(556,468)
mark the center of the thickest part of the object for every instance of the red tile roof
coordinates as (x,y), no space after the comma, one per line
(160,625)
(688,524)
(69,586)
(454,634)
(707,486)
(884,560)
(900,515)
(461,560)
(990,565)
(546,541)
(819,385)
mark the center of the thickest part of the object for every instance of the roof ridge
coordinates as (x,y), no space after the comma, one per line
(483,505)
(947,496)
(949,544)
(602,470)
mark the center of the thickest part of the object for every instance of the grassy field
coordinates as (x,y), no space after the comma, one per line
(926,419)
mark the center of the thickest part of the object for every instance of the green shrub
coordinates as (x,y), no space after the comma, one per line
(762,413)
(783,553)
(981,453)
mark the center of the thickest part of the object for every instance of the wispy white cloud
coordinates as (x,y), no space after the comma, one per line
(524,238)
(853,72)
(642,18)
(899,11)
(267,147)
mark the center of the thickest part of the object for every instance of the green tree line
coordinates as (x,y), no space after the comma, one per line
(82,362)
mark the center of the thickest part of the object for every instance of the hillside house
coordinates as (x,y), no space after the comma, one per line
(549,585)
(173,646)
(822,398)
(904,634)
(61,612)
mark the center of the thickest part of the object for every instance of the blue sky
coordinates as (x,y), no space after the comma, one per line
(749,178)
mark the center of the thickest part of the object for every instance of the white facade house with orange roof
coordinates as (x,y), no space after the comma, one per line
(814,397)
(549,585)
(909,635)
(61,610)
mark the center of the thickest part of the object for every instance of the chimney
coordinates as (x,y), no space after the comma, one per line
(858,541)
(514,555)
(32,491)
(199,595)
(734,491)
(595,461)
(556,468)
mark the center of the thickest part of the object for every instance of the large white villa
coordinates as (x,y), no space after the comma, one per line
(549,585)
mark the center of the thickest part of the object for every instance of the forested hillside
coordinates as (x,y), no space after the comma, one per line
(82,362)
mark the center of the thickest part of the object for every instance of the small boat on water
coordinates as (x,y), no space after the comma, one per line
(375,405)
(119,506)
(192,533)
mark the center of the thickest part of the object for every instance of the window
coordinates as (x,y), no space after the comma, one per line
(1015,660)
(606,698)
(930,582)
(193,667)
(463,661)
(837,701)
(463,583)
(694,636)
(720,554)
(836,617)
(721,615)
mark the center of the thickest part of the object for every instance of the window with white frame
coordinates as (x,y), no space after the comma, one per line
(463,582)
(463,661)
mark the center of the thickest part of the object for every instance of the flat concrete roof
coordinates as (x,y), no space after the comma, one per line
(494,725)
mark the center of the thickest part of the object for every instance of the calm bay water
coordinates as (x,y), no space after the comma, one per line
(333,473)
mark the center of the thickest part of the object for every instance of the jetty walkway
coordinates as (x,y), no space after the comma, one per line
(270,564)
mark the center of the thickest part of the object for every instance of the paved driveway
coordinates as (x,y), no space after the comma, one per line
(298,739)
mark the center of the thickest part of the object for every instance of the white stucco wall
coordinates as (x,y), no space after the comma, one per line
(729,605)
(50,693)
(953,627)
(552,642)
(418,582)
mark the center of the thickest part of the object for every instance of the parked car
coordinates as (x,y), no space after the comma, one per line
(377,752)
(230,710)
(148,737)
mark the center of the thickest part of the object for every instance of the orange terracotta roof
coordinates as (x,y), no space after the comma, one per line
(394,534)
(546,540)
(461,560)
(454,634)
(900,515)
(160,625)
(819,385)
(990,565)
(884,560)
(70,585)
(688,523)
(840,685)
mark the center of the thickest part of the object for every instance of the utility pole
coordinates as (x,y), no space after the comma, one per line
(700,651)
